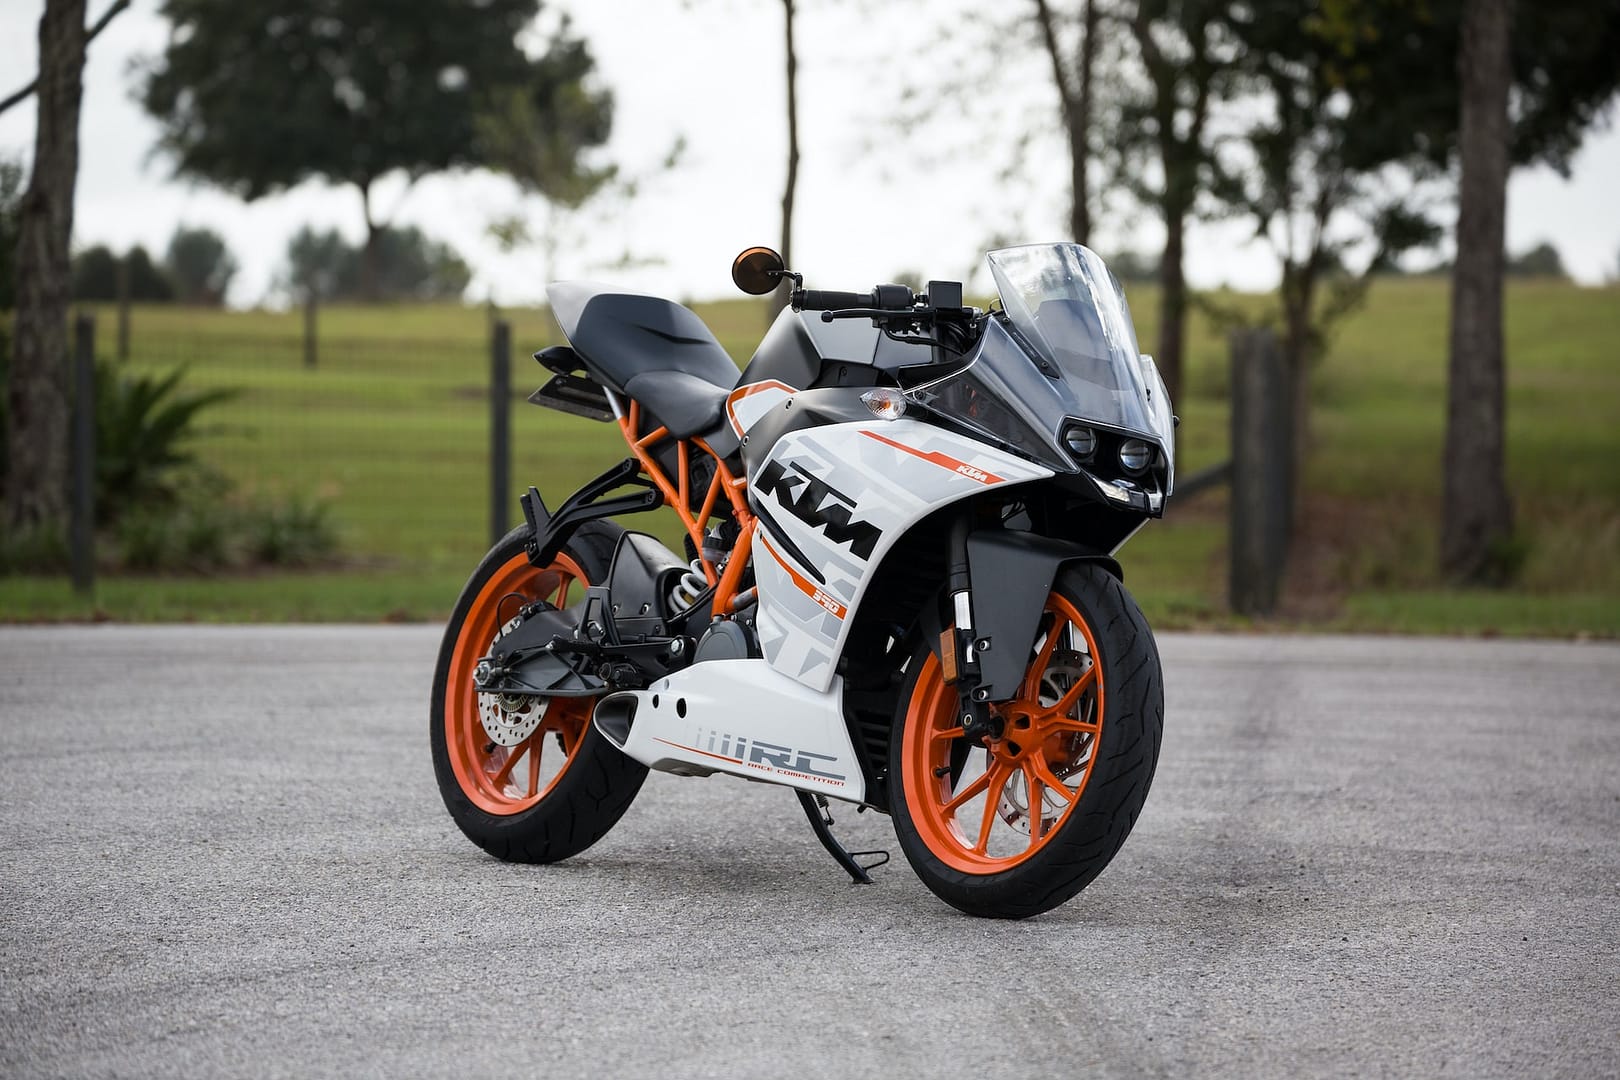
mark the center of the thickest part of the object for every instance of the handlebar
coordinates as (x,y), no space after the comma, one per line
(824,300)
(885,298)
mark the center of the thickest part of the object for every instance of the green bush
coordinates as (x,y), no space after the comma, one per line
(292,532)
(202,535)
(158,508)
(143,425)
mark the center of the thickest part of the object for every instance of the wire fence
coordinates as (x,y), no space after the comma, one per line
(392,436)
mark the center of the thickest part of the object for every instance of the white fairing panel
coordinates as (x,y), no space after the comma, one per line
(837,499)
(745,718)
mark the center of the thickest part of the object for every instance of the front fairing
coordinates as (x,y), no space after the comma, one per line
(1062,356)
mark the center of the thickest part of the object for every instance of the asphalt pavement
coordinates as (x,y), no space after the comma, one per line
(222,854)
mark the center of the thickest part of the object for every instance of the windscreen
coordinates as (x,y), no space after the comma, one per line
(1067,308)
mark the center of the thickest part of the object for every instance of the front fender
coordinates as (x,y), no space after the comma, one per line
(1011,573)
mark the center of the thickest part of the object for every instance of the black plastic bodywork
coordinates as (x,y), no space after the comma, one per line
(804,410)
(802,352)
(620,634)
(1013,574)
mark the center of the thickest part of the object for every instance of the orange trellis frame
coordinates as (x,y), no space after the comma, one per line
(677,494)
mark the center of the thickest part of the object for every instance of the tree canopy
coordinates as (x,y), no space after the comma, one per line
(257,96)
(95,275)
(410,266)
(11,190)
(200,266)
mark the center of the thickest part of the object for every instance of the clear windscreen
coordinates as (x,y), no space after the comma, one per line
(1067,308)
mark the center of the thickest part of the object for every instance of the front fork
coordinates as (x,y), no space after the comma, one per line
(960,644)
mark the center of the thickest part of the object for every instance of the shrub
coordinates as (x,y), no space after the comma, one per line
(143,426)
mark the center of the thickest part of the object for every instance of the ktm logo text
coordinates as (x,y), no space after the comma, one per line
(802,495)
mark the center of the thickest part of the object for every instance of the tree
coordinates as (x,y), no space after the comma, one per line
(95,276)
(37,384)
(11,190)
(1478,512)
(1073,80)
(257,96)
(1541,261)
(25,91)
(316,262)
(199,265)
(1163,149)
(1357,90)
(536,138)
(779,299)
(1531,79)
(1318,164)
(409,266)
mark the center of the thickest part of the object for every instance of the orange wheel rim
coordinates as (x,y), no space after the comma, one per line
(990,806)
(500,779)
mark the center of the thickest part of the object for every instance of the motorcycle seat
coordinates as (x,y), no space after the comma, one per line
(623,335)
(686,404)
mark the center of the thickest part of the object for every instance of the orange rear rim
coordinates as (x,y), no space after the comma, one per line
(990,806)
(509,779)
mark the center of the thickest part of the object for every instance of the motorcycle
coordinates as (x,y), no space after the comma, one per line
(898,588)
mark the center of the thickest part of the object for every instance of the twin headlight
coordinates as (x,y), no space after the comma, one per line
(1135,455)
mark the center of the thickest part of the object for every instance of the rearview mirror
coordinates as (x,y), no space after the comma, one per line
(757,271)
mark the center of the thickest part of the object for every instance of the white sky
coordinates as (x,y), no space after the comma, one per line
(869,205)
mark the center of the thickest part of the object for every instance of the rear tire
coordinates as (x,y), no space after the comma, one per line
(561,789)
(1080,740)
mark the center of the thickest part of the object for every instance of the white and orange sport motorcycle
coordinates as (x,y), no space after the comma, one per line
(898,588)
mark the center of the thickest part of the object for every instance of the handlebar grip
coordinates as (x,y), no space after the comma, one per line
(822,300)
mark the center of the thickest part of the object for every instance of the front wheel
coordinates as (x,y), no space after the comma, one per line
(1017,823)
(528,779)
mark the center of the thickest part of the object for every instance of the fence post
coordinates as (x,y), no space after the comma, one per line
(82,506)
(500,426)
(123,308)
(309,329)
(1261,449)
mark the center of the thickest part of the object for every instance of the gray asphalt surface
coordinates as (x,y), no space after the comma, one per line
(222,854)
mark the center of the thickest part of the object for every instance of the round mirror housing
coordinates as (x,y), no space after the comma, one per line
(757,271)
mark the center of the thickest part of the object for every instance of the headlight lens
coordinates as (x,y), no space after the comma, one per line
(1134,455)
(1081,441)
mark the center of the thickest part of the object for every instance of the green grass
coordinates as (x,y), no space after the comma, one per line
(392,428)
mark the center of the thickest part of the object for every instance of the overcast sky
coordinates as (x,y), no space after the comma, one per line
(869,205)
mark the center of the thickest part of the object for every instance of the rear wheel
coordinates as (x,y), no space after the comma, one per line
(527,779)
(1017,823)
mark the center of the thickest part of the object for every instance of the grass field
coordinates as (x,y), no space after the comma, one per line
(391,429)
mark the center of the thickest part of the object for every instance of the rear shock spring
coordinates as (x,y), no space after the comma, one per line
(688,588)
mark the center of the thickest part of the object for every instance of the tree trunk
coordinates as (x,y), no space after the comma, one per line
(36,487)
(370,256)
(1172,303)
(779,299)
(1478,516)
(1081,144)
(1298,300)
(1074,105)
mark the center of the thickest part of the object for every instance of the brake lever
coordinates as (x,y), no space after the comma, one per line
(887,314)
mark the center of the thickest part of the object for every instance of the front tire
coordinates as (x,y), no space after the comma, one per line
(1019,823)
(559,790)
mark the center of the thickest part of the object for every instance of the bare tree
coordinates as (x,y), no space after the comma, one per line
(779,299)
(1478,515)
(22,93)
(37,390)
(1073,80)
(1186,55)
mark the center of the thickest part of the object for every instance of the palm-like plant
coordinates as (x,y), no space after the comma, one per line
(144,424)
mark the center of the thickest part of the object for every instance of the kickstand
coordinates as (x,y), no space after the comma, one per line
(815,808)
